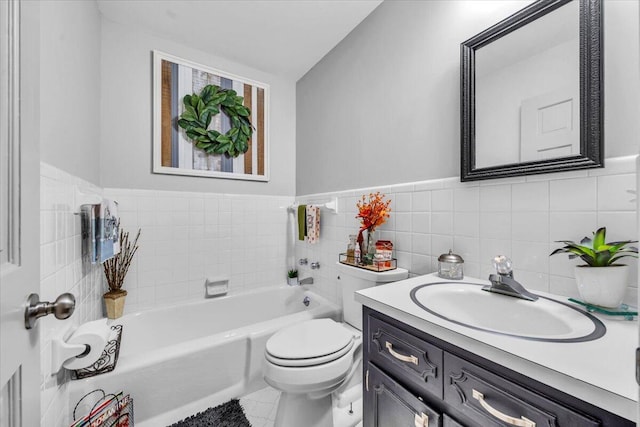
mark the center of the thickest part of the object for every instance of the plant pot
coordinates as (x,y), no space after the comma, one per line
(603,286)
(292,281)
(114,302)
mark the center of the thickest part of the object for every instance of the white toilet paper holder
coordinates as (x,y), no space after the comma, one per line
(61,351)
(107,361)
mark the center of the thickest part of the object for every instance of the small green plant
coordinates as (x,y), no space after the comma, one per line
(292,273)
(595,252)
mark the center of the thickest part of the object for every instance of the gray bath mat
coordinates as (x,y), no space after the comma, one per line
(228,414)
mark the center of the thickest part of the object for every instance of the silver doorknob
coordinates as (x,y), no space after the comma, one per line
(62,308)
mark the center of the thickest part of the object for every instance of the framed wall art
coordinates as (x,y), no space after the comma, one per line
(208,122)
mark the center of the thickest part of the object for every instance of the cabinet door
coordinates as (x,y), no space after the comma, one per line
(388,404)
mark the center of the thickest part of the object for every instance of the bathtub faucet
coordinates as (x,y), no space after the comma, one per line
(306,281)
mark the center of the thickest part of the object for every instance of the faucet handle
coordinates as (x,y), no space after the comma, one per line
(503,265)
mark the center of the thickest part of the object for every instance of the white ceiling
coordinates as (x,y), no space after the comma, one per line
(285,37)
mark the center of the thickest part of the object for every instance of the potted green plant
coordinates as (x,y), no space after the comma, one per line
(602,280)
(292,277)
(115,270)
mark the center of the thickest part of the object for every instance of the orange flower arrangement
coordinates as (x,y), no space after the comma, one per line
(372,213)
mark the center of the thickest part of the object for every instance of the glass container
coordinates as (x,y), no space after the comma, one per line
(450,266)
(351,249)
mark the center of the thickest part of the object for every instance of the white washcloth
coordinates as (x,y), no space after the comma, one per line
(313,224)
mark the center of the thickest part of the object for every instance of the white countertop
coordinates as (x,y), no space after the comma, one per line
(601,372)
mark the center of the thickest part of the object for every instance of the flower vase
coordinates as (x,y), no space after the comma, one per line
(371,242)
(370,247)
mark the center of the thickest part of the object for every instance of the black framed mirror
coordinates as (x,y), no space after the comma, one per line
(532,92)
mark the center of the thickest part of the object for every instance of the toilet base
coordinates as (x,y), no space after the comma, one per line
(343,410)
(350,414)
(295,410)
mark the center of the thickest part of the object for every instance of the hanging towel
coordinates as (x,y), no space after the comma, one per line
(302,222)
(313,224)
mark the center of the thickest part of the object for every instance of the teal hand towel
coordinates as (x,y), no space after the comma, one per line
(302,222)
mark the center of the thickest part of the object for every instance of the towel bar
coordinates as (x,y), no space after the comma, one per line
(331,205)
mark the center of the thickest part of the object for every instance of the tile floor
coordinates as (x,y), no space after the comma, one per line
(260,407)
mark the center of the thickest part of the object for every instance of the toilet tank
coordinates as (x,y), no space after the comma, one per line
(352,279)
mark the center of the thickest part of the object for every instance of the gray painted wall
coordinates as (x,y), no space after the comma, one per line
(126,143)
(383,106)
(621,77)
(70,87)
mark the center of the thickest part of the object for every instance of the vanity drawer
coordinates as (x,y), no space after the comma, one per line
(409,359)
(391,405)
(485,397)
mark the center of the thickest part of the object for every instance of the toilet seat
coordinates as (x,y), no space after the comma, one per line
(311,361)
(311,343)
(308,363)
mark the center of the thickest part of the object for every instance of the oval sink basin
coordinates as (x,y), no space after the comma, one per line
(468,305)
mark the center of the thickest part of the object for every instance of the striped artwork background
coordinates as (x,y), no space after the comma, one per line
(177,150)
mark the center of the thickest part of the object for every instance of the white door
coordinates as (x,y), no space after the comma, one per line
(19,211)
(550,126)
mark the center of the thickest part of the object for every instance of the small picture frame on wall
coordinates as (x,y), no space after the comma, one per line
(207,122)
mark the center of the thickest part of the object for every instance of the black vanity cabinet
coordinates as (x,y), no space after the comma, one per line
(416,380)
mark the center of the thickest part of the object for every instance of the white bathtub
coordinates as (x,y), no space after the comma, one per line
(179,360)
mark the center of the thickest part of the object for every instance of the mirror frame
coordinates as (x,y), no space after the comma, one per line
(591,94)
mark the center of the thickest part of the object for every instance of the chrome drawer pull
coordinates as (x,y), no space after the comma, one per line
(521,422)
(410,359)
(421,420)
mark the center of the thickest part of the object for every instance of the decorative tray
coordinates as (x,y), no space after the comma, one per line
(379,266)
(623,311)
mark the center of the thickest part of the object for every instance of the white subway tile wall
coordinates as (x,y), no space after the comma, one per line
(62,270)
(189,237)
(519,217)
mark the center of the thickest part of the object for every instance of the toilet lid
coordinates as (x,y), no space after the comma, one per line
(309,340)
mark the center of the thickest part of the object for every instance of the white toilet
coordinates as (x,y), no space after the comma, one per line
(317,364)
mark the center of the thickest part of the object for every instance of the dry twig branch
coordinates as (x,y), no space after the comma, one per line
(116,268)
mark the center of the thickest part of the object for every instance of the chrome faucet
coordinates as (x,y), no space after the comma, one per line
(306,281)
(503,282)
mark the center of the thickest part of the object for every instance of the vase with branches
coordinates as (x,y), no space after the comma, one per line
(115,271)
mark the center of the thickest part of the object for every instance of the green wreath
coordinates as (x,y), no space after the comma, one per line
(197,115)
